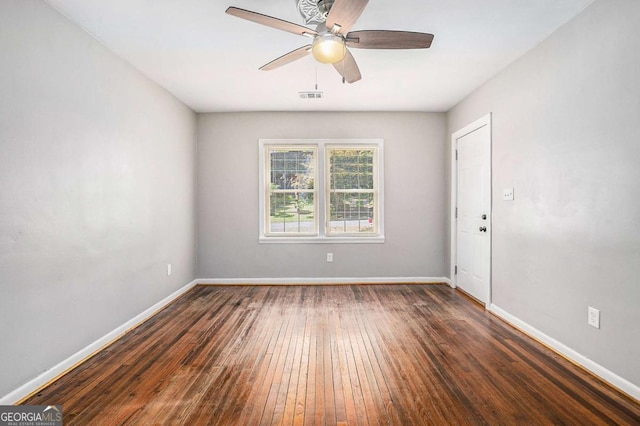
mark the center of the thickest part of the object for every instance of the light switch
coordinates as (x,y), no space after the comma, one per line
(594,317)
(507,194)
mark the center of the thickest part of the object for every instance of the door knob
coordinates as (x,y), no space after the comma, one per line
(484,217)
(483,229)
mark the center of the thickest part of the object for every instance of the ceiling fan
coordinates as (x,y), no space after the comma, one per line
(331,38)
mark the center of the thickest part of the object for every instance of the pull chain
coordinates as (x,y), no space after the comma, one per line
(343,65)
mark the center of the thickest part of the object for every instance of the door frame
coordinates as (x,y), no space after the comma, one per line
(479,123)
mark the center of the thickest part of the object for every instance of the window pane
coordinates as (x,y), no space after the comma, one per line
(351,191)
(291,212)
(351,168)
(351,212)
(291,169)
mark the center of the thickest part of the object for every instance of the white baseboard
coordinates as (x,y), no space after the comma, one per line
(323,281)
(606,375)
(54,372)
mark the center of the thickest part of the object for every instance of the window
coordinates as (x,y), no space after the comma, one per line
(351,190)
(291,192)
(321,191)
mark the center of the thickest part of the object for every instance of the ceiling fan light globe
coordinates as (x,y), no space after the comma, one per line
(329,49)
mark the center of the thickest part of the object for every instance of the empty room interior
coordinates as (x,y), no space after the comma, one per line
(437,222)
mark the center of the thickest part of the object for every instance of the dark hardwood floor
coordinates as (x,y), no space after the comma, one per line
(356,354)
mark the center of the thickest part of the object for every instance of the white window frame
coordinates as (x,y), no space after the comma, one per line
(266,189)
(322,195)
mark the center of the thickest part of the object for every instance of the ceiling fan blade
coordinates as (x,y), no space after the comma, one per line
(270,21)
(294,55)
(348,68)
(345,13)
(382,39)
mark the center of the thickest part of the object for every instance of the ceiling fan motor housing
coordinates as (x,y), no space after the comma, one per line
(324,6)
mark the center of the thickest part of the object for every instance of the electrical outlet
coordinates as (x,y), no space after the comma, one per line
(594,317)
(329,257)
(507,194)
(168,269)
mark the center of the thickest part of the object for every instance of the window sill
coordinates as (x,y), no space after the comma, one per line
(322,240)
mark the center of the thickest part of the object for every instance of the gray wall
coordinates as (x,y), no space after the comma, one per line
(228,196)
(566,137)
(97,167)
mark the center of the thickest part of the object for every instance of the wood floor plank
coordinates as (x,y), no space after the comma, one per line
(301,390)
(310,397)
(376,410)
(342,367)
(332,355)
(329,397)
(290,396)
(356,371)
(273,377)
(337,370)
(288,382)
(321,332)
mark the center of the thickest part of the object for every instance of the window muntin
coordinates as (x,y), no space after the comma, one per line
(291,193)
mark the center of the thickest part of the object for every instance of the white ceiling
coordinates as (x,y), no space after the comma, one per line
(209,60)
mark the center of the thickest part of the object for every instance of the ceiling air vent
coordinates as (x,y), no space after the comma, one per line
(311,95)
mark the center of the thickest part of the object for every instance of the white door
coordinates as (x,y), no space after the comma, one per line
(473,221)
